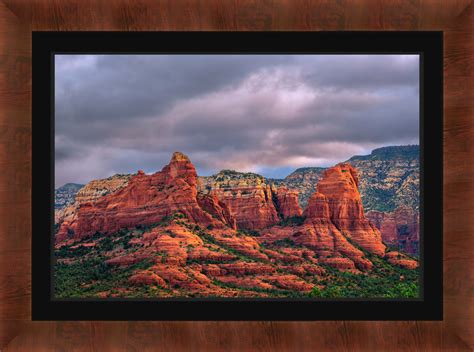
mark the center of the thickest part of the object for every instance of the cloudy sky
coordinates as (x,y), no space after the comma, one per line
(263,113)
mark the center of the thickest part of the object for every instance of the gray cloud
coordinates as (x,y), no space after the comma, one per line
(255,113)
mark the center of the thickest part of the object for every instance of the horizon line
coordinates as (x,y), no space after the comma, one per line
(248,172)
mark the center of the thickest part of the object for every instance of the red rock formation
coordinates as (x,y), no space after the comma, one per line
(90,193)
(254,211)
(340,186)
(248,197)
(216,208)
(243,268)
(246,282)
(146,278)
(287,202)
(285,282)
(277,256)
(325,235)
(127,260)
(300,270)
(340,263)
(99,188)
(203,254)
(317,208)
(144,201)
(289,282)
(334,218)
(245,245)
(402,260)
(399,228)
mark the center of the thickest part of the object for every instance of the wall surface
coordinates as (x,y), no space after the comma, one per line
(19,18)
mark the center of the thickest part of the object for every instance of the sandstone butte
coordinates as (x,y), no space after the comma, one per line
(333,230)
(90,193)
(335,224)
(146,200)
(340,186)
(254,203)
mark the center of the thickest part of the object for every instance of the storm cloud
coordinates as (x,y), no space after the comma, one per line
(261,113)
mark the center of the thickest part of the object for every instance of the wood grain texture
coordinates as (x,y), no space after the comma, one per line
(459,176)
(18,18)
(15,176)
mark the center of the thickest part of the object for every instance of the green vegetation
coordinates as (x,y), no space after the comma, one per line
(384,281)
(223,174)
(286,242)
(293,220)
(68,252)
(103,243)
(211,240)
(249,232)
(87,277)
(270,292)
(309,169)
(379,199)
(386,153)
(106,244)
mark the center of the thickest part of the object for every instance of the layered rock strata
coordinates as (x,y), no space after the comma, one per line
(399,228)
(145,200)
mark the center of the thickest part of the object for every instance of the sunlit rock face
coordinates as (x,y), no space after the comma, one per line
(229,235)
(145,200)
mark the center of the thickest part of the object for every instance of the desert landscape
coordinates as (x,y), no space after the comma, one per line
(347,231)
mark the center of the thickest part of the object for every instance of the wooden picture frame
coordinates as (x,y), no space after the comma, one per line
(18,19)
(426,45)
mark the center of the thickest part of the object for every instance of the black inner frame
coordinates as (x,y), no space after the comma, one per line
(429,45)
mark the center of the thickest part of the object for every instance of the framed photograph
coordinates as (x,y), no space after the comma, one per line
(237,176)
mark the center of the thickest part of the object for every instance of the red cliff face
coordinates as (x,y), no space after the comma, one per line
(317,208)
(287,202)
(217,209)
(340,185)
(253,202)
(334,220)
(399,228)
(320,234)
(248,197)
(320,228)
(145,201)
(253,210)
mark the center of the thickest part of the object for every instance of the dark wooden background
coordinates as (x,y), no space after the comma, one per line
(19,17)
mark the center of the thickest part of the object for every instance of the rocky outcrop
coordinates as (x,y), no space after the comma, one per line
(334,224)
(340,186)
(303,181)
(286,202)
(217,209)
(147,278)
(397,258)
(252,201)
(145,200)
(100,188)
(65,195)
(399,228)
(90,193)
(248,197)
(317,208)
(239,269)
